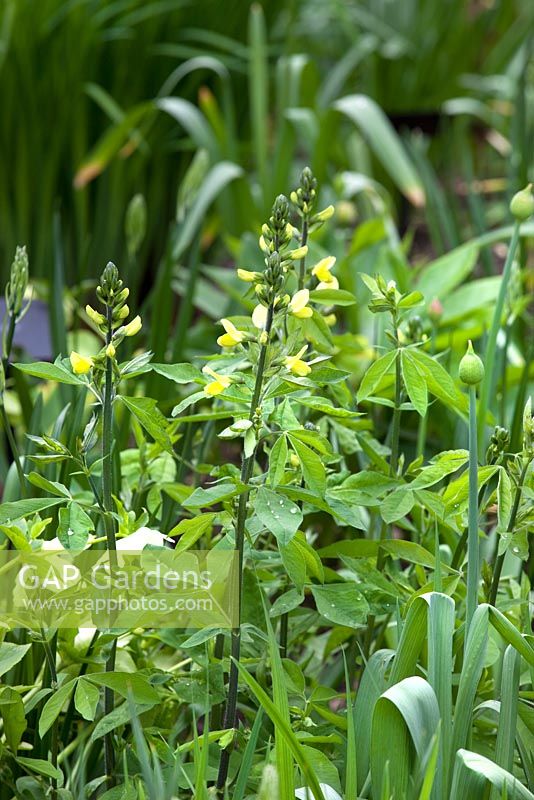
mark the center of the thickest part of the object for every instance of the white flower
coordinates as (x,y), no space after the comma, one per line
(53,544)
(141,537)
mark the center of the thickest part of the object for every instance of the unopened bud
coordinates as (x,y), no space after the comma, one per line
(471,369)
(435,310)
(522,204)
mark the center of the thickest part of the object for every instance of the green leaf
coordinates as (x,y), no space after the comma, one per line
(504,501)
(440,277)
(280,515)
(443,464)
(179,373)
(278,460)
(9,512)
(410,300)
(396,505)
(341,603)
(57,372)
(11,654)
(17,537)
(375,373)
(405,719)
(125,683)
(12,710)
(439,382)
(54,704)
(331,297)
(190,531)
(55,488)
(285,731)
(384,142)
(86,699)
(311,465)
(325,406)
(74,527)
(204,498)
(414,382)
(41,767)
(473,772)
(147,413)
(121,715)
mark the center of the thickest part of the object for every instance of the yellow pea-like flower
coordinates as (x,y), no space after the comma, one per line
(133,327)
(217,385)
(325,214)
(296,366)
(259,317)
(81,365)
(97,318)
(248,276)
(232,335)
(333,283)
(300,252)
(298,305)
(322,269)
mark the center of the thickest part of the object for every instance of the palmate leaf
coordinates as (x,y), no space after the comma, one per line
(375,373)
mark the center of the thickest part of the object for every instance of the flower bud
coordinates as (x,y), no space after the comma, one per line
(300,252)
(95,316)
(471,369)
(133,327)
(435,310)
(110,351)
(325,214)
(522,204)
(248,276)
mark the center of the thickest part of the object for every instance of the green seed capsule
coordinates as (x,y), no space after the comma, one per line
(471,367)
(522,204)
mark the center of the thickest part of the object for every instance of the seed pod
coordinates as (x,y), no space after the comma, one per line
(522,204)
(471,369)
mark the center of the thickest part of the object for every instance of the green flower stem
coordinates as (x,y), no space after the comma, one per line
(107,500)
(423,421)
(304,241)
(7,345)
(499,560)
(472,536)
(230,715)
(488,383)
(395,425)
(50,654)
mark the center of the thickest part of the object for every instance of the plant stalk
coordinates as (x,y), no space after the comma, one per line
(230,715)
(472,535)
(303,241)
(499,560)
(488,382)
(107,500)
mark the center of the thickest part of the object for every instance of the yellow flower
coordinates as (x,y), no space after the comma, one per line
(296,366)
(248,276)
(110,351)
(322,269)
(218,385)
(259,317)
(330,320)
(97,318)
(298,305)
(133,327)
(232,335)
(264,247)
(80,364)
(123,312)
(300,252)
(333,283)
(325,214)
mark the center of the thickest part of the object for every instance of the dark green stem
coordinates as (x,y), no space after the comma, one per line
(14,448)
(303,242)
(499,560)
(472,536)
(107,500)
(230,715)
(395,426)
(488,382)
